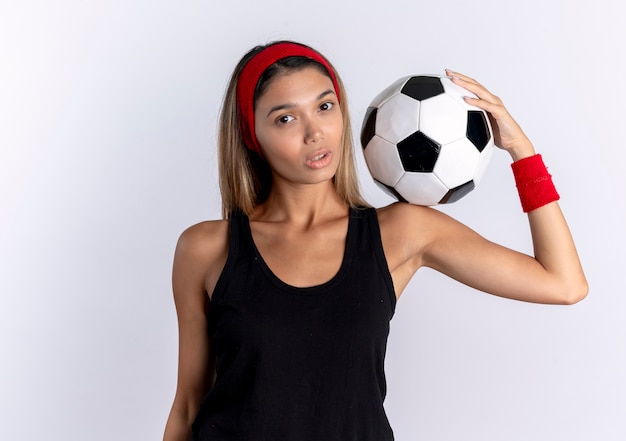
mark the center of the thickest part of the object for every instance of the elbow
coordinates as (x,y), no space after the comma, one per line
(574,293)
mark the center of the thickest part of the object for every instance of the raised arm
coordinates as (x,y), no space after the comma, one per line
(553,275)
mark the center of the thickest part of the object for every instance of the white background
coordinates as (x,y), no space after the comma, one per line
(108,112)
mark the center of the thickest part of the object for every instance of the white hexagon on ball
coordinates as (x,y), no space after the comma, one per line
(457,162)
(383,161)
(421,188)
(443,130)
(397,118)
(485,158)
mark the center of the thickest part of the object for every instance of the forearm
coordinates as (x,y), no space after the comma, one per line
(553,244)
(554,249)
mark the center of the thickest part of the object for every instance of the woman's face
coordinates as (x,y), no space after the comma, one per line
(299,126)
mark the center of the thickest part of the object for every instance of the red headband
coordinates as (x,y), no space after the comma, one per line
(253,70)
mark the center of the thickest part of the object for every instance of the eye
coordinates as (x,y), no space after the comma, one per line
(284,119)
(327,106)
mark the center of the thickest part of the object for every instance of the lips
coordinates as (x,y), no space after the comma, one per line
(319,159)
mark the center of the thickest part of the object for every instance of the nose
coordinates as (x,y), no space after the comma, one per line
(313,132)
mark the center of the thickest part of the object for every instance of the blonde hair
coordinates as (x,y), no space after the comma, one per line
(245,178)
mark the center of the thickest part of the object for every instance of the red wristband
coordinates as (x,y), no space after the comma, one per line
(534,183)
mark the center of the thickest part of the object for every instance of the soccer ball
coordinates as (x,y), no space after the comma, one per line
(423,143)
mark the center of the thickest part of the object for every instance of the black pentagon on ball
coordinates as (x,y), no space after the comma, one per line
(423,87)
(368,129)
(478,129)
(457,193)
(418,153)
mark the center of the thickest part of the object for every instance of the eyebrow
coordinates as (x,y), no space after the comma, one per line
(292,105)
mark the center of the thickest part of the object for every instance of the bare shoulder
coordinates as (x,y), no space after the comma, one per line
(407,230)
(203,239)
(401,218)
(399,213)
(404,218)
(201,253)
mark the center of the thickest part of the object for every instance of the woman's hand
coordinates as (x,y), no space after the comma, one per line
(508,135)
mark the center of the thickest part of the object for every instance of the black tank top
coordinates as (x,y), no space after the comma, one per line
(300,364)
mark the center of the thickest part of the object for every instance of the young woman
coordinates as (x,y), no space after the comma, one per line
(284,306)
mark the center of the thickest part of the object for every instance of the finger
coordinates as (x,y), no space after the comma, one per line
(476,88)
(491,107)
(453,74)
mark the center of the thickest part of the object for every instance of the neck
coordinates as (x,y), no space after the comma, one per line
(301,204)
